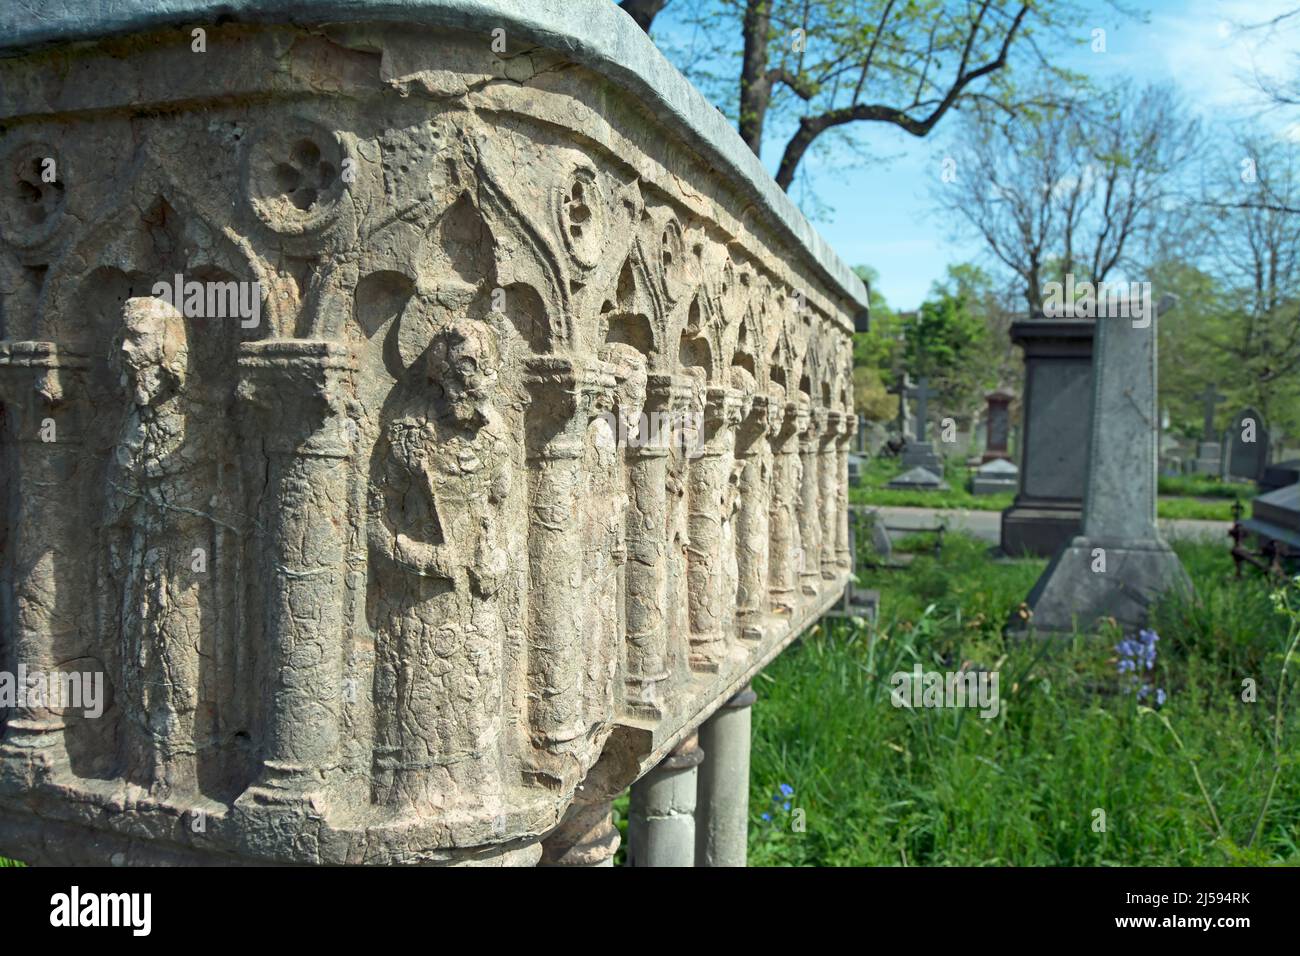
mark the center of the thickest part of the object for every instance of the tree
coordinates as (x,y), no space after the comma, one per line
(1077,188)
(1253,242)
(876,356)
(823,65)
(945,341)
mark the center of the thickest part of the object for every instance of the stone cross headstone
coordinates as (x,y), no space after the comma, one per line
(1208,452)
(902,390)
(1209,399)
(922,393)
(1246,446)
(920,452)
(1120,563)
(999,425)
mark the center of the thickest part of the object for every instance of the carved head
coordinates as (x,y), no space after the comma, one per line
(465,362)
(630,374)
(152,355)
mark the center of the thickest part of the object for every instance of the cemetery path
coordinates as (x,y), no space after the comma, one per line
(987,525)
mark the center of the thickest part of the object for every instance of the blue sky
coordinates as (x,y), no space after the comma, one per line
(882,212)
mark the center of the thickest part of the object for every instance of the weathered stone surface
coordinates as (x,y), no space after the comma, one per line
(535,454)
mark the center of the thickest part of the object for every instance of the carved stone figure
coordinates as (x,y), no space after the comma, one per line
(160,541)
(441,474)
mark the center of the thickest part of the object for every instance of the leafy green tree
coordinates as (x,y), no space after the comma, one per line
(876,356)
(943,342)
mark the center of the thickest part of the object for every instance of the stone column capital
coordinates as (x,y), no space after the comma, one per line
(832,431)
(36,370)
(296,389)
(564,393)
(723,408)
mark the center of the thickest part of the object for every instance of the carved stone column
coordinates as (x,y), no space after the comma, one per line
(563,397)
(40,388)
(722,814)
(710,472)
(293,393)
(585,837)
(828,477)
(754,454)
(661,818)
(843,556)
(647,582)
(684,428)
(783,566)
(810,531)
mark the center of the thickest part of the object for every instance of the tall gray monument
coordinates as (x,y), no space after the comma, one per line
(1053,446)
(1120,564)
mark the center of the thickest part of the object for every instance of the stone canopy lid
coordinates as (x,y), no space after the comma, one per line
(593,33)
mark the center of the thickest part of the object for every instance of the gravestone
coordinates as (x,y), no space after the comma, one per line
(918,479)
(1120,563)
(920,453)
(1275,516)
(1245,446)
(1208,453)
(995,477)
(856,465)
(1053,444)
(904,424)
(1280,475)
(998,425)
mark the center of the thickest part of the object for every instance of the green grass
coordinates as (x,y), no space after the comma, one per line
(880,785)
(1191,496)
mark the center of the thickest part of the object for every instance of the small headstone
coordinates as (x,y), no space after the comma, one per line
(856,465)
(1245,446)
(995,477)
(998,428)
(918,479)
